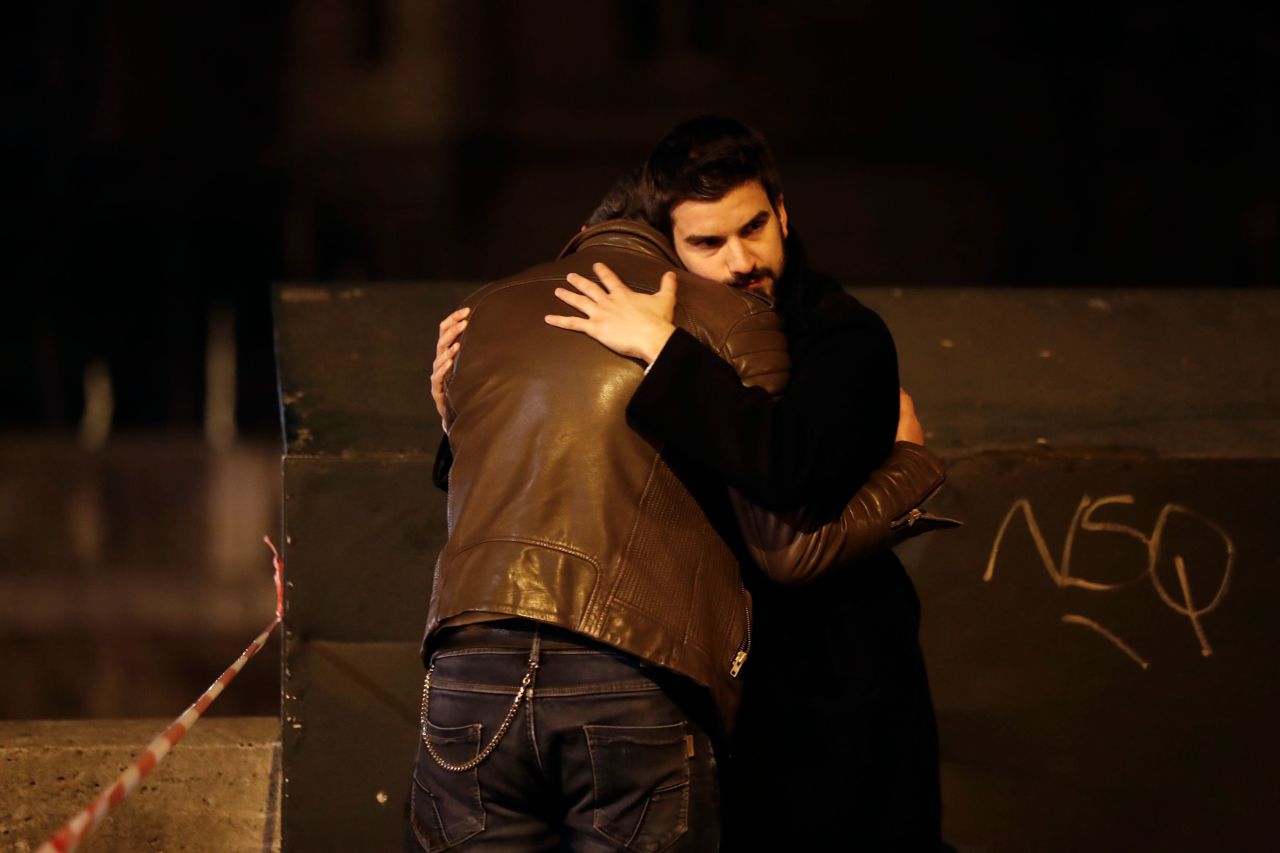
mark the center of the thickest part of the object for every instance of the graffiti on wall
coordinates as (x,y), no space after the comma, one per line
(1176,593)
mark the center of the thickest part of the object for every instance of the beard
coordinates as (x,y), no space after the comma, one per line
(755,277)
(759,280)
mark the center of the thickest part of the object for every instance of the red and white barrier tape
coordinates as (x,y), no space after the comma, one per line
(76,830)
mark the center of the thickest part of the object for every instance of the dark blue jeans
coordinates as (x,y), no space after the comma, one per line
(598,757)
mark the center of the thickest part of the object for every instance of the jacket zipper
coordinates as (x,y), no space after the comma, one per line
(745,647)
(910,518)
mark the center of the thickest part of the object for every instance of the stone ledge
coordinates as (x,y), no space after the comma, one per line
(217,792)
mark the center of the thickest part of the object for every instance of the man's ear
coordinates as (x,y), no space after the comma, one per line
(782,215)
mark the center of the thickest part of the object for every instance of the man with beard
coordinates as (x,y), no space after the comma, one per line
(585,566)
(837,741)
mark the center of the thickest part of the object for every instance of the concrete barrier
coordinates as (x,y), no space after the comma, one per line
(1100,635)
(217,792)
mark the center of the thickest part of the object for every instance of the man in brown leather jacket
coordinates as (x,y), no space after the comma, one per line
(589,569)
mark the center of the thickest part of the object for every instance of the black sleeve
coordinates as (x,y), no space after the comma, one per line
(444,461)
(817,443)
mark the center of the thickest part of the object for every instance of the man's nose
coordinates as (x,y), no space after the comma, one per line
(738,258)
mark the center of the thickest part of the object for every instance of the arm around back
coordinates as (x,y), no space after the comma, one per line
(797,547)
(834,425)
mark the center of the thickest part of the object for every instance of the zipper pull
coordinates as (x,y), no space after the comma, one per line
(736,667)
(908,520)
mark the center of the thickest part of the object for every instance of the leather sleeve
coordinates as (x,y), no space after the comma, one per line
(756,346)
(792,548)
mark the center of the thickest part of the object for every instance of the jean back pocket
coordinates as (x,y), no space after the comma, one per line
(446,805)
(640,776)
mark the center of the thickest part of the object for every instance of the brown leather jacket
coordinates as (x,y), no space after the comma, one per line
(561,513)
(799,546)
(558,510)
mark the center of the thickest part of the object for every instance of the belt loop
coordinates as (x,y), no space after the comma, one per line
(535,659)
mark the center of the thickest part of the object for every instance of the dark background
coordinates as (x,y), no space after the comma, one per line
(160,160)
(162,164)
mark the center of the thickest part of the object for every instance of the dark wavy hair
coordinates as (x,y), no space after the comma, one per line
(703,159)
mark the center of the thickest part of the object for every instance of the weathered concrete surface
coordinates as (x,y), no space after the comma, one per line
(215,793)
(1189,373)
(1181,373)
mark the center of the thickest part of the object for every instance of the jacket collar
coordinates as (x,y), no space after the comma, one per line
(627,234)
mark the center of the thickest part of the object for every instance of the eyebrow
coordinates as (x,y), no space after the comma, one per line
(702,238)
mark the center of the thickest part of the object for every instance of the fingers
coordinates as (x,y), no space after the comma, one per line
(588,287)
(666,295)
(437,386)
(573,324)
(608,277)
(909,427)
(450,328)
(447,346)
(667,287)
(453,319)
(576,300)
(449,337)
(439,371)
(443,360)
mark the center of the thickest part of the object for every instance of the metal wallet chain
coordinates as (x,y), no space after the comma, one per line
(524,691)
